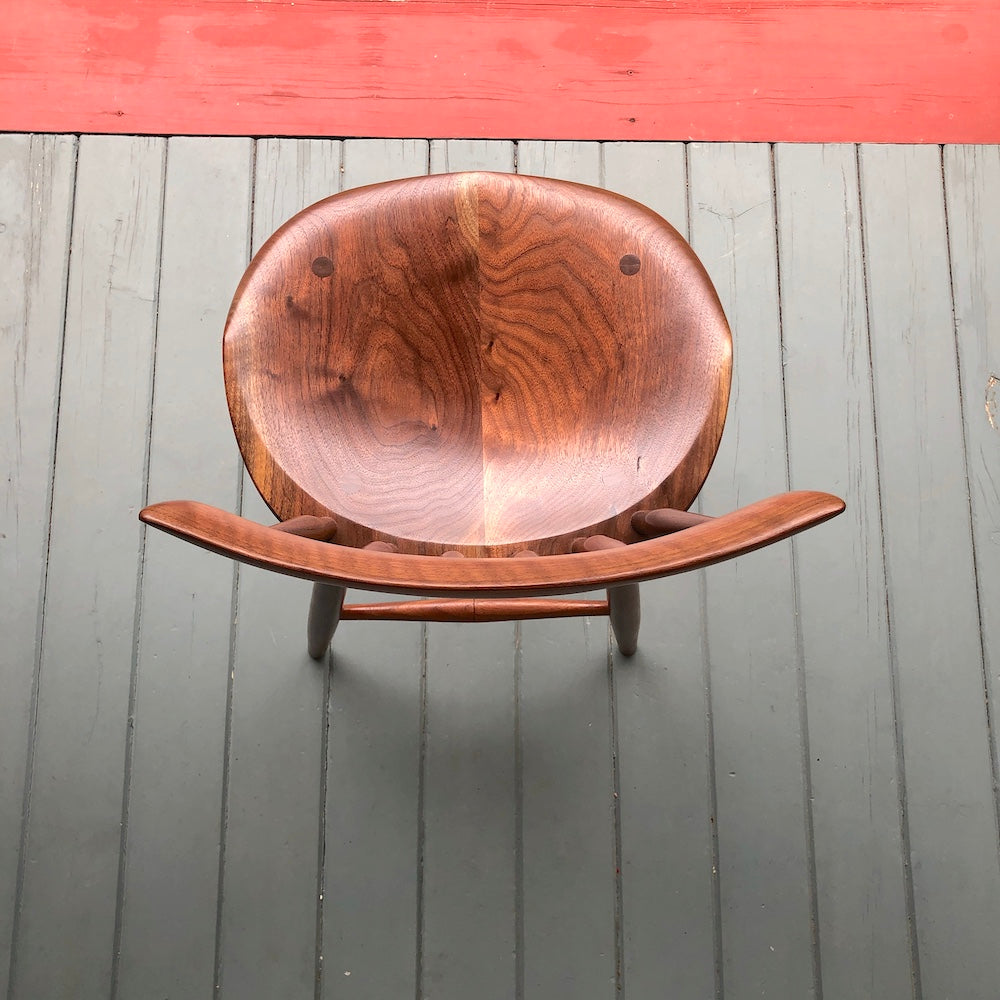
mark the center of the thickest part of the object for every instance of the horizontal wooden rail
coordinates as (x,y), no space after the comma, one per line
(797,70)
(499,610)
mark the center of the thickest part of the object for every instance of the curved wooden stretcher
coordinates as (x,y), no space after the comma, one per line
(487,390)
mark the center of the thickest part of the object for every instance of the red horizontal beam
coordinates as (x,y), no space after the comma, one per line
(805,70)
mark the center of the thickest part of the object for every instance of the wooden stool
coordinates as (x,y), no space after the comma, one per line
(434,380)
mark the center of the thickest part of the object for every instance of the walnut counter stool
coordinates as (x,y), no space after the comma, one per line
(488,390)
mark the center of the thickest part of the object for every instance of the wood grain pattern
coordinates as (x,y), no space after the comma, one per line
(665,521)
(457,362)
(470,786)
(470,890)
(972,187)
(933,607)
(851,716)
(669,870)
(376,700)
(322,529)
(567,915)
(65,938)
(750,625)
(623,601)
(268,914)
(725,537)
(176,779)
(36,188)
(556,671)
(452,155)
(458,610)
(807,70)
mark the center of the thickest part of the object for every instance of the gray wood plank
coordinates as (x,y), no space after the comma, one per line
(176,776)
(567,816)
(490,703)
(469,846)
(972,185)
(471,154)
(933,612)
(64,943)
(764,866)
(653,173)
(269,912)
(468,942)
(662,713)
(841,582)
(567,840)
(370,936)
(36,190)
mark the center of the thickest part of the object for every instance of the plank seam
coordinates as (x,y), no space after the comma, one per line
(137,614)
(433,146)
(991,736)
(325,743)
(227,744)
(518,820)
(321,840)
(800,667)
(897,722)
(715,884)
(616,812)
(715,876)
(421,826)
(518,771)
(43,590)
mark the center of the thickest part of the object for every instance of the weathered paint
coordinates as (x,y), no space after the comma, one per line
(413,822)
(813,70)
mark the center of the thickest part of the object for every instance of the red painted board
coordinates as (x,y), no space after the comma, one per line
(804,70)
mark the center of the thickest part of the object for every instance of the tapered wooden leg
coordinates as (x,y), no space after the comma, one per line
(324,616)
(623,609)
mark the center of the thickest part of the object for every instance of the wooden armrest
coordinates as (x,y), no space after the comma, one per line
(713,541)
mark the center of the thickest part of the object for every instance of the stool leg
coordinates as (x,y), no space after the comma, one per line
(324,616)
(623,610)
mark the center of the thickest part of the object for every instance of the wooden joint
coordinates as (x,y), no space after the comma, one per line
(380,546)
(665,521)
(321,529)
(597,543)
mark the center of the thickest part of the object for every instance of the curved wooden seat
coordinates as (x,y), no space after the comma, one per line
(480,365)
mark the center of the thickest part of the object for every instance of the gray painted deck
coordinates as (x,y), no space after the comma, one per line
(790,791)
